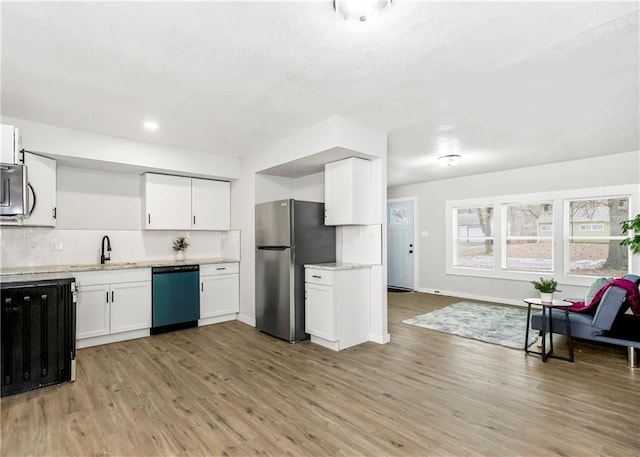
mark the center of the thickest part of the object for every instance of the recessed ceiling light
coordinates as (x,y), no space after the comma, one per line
(151,125)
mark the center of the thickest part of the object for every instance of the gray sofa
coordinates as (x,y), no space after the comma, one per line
(608,325)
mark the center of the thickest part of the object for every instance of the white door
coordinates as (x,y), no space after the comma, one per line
(219,295)
(210,204)
(400,245)
(130,306)
(93,311)
(167,202)
(320,315)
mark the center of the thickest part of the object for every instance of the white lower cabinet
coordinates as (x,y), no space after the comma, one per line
(337,307)
(219,293)
(112,306)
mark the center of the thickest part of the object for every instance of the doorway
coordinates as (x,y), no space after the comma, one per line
(400,244)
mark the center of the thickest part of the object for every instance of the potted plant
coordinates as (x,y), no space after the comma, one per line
(634,240)
(179,246)
(546,287)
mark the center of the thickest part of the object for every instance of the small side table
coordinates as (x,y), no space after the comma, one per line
(547,318)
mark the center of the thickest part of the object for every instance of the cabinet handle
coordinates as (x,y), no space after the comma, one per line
(112,296)
(316,276)
(194,219)
(149,218)
(201,287)
(55,213)
(221,268)
(107,296)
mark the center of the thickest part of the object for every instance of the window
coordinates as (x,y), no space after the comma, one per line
(572,235)
(528,244)
(474,239)
(594,235)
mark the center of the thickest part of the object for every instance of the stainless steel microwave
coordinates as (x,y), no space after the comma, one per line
(14,198)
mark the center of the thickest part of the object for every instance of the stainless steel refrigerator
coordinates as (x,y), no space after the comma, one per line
(289,234)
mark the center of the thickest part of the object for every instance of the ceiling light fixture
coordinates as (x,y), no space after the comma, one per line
(450,160)
(151,125)
(360,11)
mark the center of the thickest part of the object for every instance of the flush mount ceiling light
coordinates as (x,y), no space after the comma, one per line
(151,125)
(360,11)
(449,160)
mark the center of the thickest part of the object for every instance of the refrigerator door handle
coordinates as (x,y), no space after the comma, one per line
(272,248)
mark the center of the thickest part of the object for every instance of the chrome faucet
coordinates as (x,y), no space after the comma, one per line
(104,258)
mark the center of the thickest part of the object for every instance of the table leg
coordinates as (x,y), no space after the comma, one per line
(526,333)
(550,331)
(566,316)
(544,334)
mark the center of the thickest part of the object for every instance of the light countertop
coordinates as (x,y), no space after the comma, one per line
(15,274)
(336,266)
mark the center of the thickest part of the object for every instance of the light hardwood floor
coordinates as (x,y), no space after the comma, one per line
(227,389)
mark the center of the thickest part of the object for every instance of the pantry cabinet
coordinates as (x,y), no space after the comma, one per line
(219,292)
(182,203)
(337,307)
(114,305)
(348,193)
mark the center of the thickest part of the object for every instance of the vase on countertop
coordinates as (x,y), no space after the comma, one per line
(546,297)
(180,255)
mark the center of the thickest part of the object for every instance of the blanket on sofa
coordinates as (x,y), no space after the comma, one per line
(633,297)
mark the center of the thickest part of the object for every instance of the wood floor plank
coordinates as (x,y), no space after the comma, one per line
(230,390)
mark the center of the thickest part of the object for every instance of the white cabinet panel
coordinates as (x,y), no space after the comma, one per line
(167,202)
(92,311)
(337,316)
(219,292)
(179,203)
(220,295)
(211,204)
(320,316)
(42,178)
(348,192)
(130,306)
(112,302)
(10,146)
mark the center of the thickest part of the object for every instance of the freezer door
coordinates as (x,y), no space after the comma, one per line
(273,292)
(273,223)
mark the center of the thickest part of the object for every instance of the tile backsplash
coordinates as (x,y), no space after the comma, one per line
(36,246)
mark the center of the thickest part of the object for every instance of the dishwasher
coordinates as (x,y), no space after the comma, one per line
(175,298)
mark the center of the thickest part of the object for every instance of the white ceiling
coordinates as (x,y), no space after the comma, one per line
(509,83)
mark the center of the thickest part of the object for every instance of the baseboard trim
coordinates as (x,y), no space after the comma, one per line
(247,320)
(451,293)
(380,339)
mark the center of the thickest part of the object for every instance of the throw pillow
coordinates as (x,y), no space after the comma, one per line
(594,288)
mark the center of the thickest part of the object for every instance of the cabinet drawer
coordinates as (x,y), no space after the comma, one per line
(314,276)
(219,269)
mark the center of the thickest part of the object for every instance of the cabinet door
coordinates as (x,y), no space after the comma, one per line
(219,295)
(92,311)
(130,306)
(348,192)
(42,198)
(167,202)
(211,204)
(320,315)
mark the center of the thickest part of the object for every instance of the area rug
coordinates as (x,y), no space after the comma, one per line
(503,325)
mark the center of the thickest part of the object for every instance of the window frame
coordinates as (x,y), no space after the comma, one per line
(561,231)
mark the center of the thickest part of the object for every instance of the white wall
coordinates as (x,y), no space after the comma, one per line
(608,170)
(92,150)
(93,199)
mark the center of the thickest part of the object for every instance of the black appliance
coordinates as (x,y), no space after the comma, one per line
(176,298)
(38,333)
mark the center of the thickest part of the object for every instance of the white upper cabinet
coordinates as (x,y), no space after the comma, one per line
(167,202)
(42,200)
(41,173)
(179,203)
(210,204)
(348,192)
(10,146)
